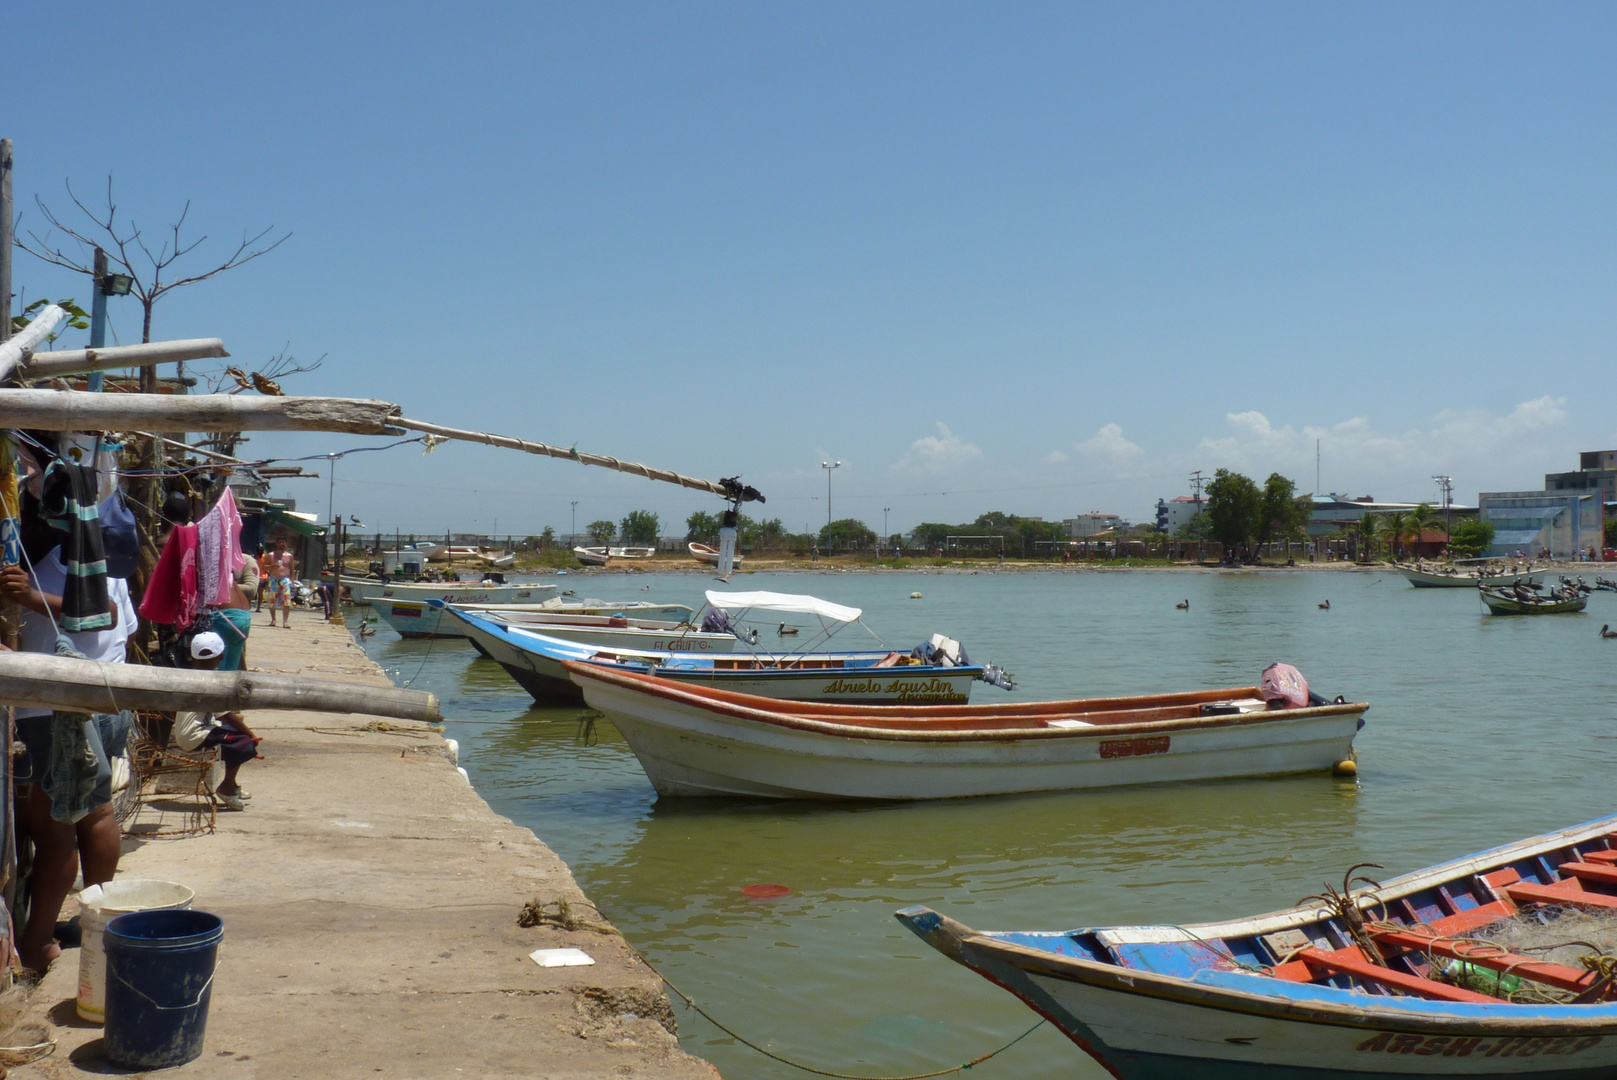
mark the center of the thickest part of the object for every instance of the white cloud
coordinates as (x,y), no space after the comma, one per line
(1357,454)
(1109,445)
(937,453)
(1055,457)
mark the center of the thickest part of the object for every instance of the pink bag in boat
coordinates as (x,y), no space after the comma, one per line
(1284,683)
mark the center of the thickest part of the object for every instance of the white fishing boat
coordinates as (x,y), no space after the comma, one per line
(446,552)
(696,741)
(416,619)
(1448,576)
(513,646)
(369,590)
(709,555)
(596,556)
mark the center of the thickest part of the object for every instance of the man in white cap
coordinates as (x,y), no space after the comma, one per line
(228,731)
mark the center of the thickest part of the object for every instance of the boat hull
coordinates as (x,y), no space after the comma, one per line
(365,591)
(545,678)
(1154,1002)
(1507,605)
(417,619)
(688,749)
(1425,579)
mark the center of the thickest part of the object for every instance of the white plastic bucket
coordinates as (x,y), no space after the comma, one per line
(98,905)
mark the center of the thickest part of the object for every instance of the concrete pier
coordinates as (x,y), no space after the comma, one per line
(370,901)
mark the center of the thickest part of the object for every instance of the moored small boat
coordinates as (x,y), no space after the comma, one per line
(710,555)
(1413,977)
(596,556)
(1522,602)
(1447,576)
(417,619)
(369,590)
(697,741)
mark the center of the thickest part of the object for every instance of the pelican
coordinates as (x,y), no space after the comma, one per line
(1326,606)
(788,631)
(1183,605)
(1607,632)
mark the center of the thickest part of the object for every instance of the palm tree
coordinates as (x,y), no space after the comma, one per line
(1367,536)
(1397,527)
(1421,519)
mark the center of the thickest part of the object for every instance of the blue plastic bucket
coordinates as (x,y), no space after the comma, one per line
(160,967)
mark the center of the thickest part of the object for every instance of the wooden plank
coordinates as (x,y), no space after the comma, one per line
(1483,956)
(72,410)
(1351,962)
(35,680)
(1563,892)
(1589,871)
(79,361)
(1609,856)
(27,339)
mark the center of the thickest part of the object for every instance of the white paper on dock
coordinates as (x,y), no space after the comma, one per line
(560,957)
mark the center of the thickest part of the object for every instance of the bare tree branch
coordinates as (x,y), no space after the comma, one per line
(148,285)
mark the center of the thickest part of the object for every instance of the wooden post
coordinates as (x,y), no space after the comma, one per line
(37,680)
(336,573)
(74,410)
(6,217)
(32,336)
(81,361)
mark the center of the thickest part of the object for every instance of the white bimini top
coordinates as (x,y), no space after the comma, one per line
(788,602)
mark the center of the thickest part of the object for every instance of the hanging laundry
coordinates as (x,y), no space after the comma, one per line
(219,551)
(67,500)
(171,595)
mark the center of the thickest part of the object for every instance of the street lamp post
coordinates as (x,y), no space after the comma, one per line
(884,512)
(573,538)
(829,469)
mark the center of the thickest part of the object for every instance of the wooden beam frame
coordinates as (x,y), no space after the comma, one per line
(81,361)
(76,410)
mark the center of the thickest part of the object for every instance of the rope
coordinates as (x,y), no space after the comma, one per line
(825,1072)
(571,454)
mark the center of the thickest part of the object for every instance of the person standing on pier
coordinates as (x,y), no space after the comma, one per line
(281,565)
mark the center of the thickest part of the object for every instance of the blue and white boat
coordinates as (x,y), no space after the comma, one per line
(1490,965)
(535,656)
(416,619)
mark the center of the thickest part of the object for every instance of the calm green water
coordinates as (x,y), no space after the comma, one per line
(1482,730)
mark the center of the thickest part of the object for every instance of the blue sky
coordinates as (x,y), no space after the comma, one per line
(1037,258)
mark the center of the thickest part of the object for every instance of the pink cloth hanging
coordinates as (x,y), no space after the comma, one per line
(219,551)
(171,595)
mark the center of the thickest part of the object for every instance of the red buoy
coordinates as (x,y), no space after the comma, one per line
(764,891)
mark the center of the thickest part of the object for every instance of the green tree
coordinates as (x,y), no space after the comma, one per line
(703,527)
(640,527)
(1197,528)
(1611,533)
(1281,514)
(601,531)
(931,534)
(1366,536)
(1470,538)
(848,534)
(1396,527)
(1233,506)
(1421,518)
(547,539)
(760,535)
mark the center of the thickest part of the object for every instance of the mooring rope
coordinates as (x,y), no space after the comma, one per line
(744,1041)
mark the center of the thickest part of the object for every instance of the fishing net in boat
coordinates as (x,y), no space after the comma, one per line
(1571,937)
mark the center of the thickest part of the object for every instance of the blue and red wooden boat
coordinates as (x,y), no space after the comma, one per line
(1404,978)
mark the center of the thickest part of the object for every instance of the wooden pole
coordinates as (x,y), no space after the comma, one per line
(41,681)
(82,361)
(75,410)
(573,454)
(6,217)
(14,351)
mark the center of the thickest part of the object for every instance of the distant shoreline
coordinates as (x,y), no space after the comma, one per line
(856,565)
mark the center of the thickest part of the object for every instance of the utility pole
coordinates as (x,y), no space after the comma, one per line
(573,538)
(829,469)
(1448,491)
(1196,482)
(6,245)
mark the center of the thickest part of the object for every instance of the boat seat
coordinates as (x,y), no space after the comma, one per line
(1590,871)
(1350,961)
(1492,958)
(1609,856)
(1564,893)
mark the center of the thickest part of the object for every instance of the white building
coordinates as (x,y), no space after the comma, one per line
(1172,514)
(1091,524)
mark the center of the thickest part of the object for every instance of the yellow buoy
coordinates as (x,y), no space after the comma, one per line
(1346,767)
